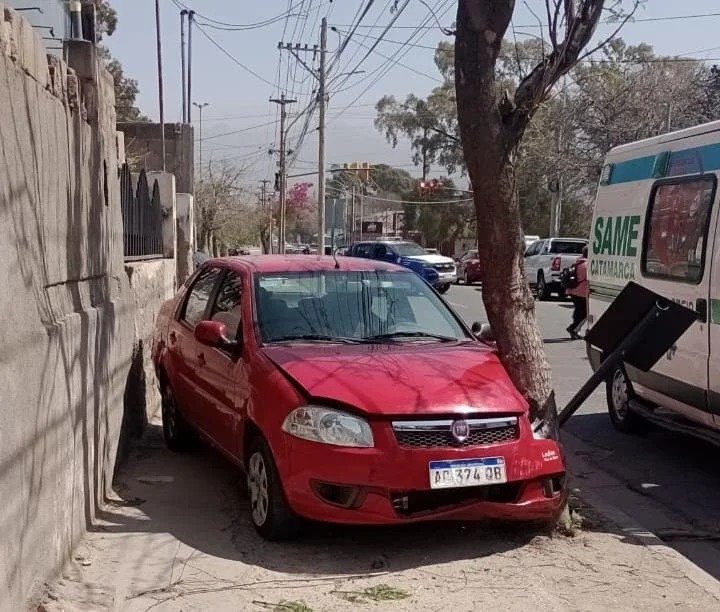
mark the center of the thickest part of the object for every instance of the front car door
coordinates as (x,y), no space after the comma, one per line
(676,263)
(222,384)
(531,259)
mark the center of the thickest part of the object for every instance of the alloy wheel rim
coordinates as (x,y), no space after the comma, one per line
(619,395)
(258,489)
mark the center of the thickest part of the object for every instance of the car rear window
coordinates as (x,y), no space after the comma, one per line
(566,247)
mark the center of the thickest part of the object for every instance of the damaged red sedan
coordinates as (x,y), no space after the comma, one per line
(349,392)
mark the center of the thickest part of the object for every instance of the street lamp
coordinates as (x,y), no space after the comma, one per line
(200,107)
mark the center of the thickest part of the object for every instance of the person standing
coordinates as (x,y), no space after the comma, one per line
(579,295)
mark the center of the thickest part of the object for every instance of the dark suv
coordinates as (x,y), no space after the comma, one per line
(437,270)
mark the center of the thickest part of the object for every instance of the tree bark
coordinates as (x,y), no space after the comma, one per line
(490,137)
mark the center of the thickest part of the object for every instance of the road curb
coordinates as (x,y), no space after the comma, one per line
(590,493)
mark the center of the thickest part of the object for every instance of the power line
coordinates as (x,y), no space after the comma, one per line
(240,26)
(248,129)
(233,58)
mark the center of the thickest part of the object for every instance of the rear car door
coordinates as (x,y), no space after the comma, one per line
(676,263)
(182,343)
(222,387)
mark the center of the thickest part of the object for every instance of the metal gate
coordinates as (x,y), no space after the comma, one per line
(142,216)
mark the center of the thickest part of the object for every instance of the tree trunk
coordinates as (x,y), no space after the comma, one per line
(489,145)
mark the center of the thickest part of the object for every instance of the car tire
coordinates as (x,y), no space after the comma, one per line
(543,291)
(443,289)
(270,513)
(177,433)
(466,278)
(619,394)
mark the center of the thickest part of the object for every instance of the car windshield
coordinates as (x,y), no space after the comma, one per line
(343,306)
(566,247)
(408,249)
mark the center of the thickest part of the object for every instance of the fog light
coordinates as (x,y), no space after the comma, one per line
(345,496)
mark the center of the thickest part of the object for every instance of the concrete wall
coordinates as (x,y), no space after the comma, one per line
(185,233)
(69,329)
(143,145)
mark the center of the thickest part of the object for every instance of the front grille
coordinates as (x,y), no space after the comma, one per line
(438,434)
(421,502)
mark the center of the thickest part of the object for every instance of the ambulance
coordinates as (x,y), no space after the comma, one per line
(657,222)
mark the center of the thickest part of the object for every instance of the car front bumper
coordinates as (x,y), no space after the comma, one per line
(446,278)
(389,484)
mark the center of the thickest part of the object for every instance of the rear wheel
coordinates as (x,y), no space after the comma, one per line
(177,433)
(543,291)
(466,278)
(269,512)
(619,394)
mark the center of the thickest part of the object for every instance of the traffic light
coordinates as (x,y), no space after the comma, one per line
(431,186)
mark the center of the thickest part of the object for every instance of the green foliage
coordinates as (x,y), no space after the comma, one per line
(374,594)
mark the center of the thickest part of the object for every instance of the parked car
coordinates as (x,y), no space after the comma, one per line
(656,223)
(546,259)
(468,267)
(438,270)
(349,392)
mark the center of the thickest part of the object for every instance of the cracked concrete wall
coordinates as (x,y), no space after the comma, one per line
(70,327)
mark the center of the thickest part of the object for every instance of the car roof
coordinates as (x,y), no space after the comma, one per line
(302,263)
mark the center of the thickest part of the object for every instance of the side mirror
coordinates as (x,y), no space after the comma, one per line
(483,331)
(213,333)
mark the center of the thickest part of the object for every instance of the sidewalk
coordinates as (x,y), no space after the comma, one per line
(180,540)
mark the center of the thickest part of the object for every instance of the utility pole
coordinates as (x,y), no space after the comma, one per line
(352,215)
(183,68)
(282,101)
(200,106)
(191,18)
(322,98)
(161,100)
(266,209)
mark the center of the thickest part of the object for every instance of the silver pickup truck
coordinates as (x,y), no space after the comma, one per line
(546,259)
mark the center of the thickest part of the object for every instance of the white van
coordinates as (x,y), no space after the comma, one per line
(657,222)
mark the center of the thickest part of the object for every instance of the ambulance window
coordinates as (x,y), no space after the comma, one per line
(677,229)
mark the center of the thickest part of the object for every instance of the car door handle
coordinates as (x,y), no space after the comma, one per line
(172,336)
(701,307)
(201,359)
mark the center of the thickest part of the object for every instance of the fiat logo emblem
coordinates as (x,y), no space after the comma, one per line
(460,430)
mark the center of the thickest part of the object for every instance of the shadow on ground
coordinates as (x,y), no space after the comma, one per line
(198,497)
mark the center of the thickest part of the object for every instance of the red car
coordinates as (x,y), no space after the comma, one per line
(468,268)
(350,393)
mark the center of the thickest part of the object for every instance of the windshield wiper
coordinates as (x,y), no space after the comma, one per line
(315,337)
(411,334)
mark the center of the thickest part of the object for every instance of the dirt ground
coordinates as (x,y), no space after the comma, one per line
(177,538)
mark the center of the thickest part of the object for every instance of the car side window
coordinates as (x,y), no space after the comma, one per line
(545,248)
(199,296)
(228,304)
(379,251)
(677,228)
(533,249)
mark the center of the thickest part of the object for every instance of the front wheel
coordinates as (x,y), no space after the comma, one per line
(269,512)
(443,288)
(619,395)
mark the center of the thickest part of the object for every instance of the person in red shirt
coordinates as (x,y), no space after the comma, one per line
(579,296)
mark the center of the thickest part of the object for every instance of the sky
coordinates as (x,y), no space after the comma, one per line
(236,69)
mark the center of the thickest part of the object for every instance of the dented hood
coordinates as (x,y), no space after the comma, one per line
(402,378)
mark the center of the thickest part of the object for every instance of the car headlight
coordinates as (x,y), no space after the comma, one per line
(328,426)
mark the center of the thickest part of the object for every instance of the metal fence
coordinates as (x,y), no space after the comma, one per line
(142,216)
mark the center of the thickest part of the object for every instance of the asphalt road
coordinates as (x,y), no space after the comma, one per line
(672,482)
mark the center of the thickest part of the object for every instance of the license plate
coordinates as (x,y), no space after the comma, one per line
(467,473)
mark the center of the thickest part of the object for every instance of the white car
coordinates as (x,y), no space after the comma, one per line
(546,259)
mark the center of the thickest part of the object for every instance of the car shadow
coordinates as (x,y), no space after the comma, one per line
(198,497)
